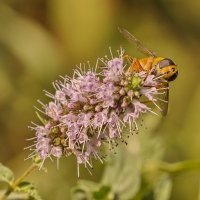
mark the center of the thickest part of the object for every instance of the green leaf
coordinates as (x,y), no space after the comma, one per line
(88,185)
(163,188)
(6,175)
(88,190)
(79,194)
(84,190)
(29,189)
(123,174)
(102,193)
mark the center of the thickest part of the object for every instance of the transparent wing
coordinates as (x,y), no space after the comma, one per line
(136,42)
(163,98)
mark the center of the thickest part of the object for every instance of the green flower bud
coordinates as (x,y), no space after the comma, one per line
(136,82)
(57,141)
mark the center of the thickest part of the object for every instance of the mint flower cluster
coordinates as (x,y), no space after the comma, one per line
(93,108)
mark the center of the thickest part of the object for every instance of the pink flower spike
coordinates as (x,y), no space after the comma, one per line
(93,109)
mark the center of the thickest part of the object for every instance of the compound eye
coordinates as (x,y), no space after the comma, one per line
(166,62)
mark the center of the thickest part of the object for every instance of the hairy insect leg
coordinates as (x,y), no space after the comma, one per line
(135,66)
(128,58)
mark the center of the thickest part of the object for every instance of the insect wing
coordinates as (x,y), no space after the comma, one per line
(135,41)
(164,98)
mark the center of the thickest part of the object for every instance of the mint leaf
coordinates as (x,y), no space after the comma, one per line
(163,188)
(29,189)
(102,193)
(6,174)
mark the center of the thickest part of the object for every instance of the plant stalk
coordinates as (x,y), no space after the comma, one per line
(173,168)
(13,186)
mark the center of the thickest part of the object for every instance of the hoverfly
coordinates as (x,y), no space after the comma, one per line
(164,68)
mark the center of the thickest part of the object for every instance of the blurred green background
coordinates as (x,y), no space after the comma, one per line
(42,39)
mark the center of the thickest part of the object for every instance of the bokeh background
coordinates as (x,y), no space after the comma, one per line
(42,39)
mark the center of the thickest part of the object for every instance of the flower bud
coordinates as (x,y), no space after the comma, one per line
(137,94)
(93,101)
(130,93)
(72,105)
(122,92)
(63,142)
(125,102)
(56,141)
(122,82)
(116,96)
(125,83)
(86,107)
(98,108)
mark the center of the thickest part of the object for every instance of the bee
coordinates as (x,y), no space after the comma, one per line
(164,68)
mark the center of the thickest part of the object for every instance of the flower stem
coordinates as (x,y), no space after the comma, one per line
(13,186)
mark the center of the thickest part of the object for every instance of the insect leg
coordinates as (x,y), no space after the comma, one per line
(128,58)
(135,66)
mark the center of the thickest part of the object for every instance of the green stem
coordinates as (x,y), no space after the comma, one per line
(174,168)
(12,187)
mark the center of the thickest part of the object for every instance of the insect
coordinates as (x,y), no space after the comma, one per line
(164,68)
